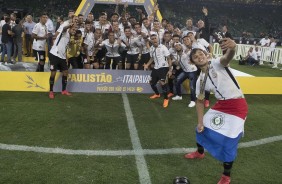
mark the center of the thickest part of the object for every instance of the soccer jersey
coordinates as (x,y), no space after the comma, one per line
(90,42)
(74,47)
(220,82)
(160,34)
(185,63)
(134,44)
(112,49)
(41,31)
(103,27)
(174,55)
(65,24)
(200,44)
(159,55)
(60,45)
(143,45)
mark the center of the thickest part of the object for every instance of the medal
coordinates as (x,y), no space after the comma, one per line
(201,96)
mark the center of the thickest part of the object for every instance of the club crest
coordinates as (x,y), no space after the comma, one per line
(217,121)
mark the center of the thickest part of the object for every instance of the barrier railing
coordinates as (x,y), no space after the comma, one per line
(267,54)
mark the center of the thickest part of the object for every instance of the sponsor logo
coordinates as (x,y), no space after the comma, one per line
(32,84)
(217,121)
(136,79)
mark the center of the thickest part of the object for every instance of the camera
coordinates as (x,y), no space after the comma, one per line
(181,180)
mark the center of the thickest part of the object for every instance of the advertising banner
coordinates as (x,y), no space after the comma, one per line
(115,81)
(107,81)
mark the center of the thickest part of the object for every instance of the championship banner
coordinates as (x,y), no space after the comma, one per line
(86,6)
(107,81)
(115,81)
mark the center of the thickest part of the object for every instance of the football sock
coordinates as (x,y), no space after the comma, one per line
(64,82)
(164,88)
(170,84)
(201,149)
(227,168)
(155,89)
(51,82)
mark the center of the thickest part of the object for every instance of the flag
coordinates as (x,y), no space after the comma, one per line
(224,126)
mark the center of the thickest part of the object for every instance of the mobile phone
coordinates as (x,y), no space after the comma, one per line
(218,37)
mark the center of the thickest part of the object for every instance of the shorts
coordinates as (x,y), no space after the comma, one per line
(132,59)
(100,54)
(144,60)
(159,75)
(111,62)
(39,55)
(75,62)
(57,63)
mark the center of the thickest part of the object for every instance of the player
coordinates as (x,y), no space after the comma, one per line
(221,128)
(58,58)
(162,69)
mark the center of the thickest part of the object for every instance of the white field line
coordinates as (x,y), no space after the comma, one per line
(144,176)
(238,73)
(170,151)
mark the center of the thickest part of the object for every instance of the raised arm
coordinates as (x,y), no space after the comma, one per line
(206,19)
(229,46)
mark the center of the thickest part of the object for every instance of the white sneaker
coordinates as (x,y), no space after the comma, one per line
(280,68)
(274,67)
(177,97)
(192,104)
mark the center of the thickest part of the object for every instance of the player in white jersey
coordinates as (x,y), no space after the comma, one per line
(176,67)
(189,71)
(133,51)
(162,68)
(88,46)
(167,40)
(200,43)
(40,34)
(113,59)
(103,24)
(157,30)
(204,45)
(58,58)
(221,128)
(144,48)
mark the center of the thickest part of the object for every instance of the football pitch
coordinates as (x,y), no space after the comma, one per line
(126,139)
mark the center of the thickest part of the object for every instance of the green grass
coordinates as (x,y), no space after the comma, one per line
(258,71)
(26,167)
(257,165)
(98,122)
(83,121)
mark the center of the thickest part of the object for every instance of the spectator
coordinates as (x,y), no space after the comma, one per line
(272,46)
(204,27)
(60,21)
(258,53)
(7,41)
(28,27)
(189,27)
(265,41)
(2,23)
(18,32)
(50,30)
(225,32)
(251,58)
